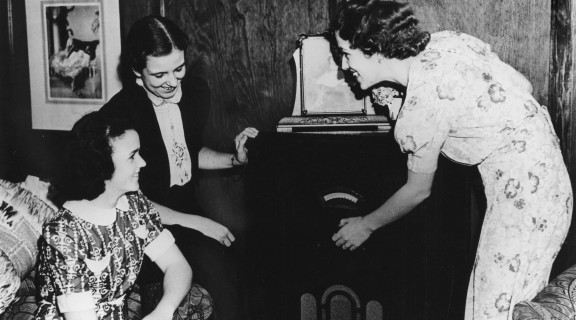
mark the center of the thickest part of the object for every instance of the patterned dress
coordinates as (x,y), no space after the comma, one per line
(90,257)
(464,102)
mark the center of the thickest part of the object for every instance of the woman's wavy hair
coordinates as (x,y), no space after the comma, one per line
(379,26)
(154,36)
(88,160)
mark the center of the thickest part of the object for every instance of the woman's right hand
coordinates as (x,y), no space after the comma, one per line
(207,227)
(352,234)
(214,230)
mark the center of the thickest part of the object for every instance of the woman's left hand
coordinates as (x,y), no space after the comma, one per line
(240,141)
(353,233)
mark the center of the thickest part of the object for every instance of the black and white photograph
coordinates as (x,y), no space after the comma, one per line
(73,42)
(287,160)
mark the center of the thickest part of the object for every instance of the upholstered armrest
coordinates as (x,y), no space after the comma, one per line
(196,305)
(555,302)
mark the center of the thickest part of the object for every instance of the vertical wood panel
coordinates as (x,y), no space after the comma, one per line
(132,10)
(518,30)
(6,54)
(562,102)
(243,50)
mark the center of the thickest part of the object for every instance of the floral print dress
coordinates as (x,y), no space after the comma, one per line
(464,102)
(90,257)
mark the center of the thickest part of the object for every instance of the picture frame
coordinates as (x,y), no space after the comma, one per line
(73,52)
(321,88)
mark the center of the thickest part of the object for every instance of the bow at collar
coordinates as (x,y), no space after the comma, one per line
(157,101)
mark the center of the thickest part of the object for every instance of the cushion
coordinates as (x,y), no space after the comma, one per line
(197,305)
(23,308)
(21,217)
(555,302)
(9,282)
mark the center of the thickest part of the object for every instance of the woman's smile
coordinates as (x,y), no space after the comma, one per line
(163,74)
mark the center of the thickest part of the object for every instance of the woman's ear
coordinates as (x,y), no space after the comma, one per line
(138,78)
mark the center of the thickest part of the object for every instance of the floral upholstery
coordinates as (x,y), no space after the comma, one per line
(557,301)
(197,305)
(21,217)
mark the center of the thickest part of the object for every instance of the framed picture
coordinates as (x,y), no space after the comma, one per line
(321,88)
(73,52)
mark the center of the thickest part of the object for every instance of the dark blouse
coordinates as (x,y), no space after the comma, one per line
(132,101)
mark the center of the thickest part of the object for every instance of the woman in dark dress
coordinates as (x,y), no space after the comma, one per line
(169,109)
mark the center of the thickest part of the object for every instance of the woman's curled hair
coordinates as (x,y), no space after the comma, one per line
(379,26)
(88,159)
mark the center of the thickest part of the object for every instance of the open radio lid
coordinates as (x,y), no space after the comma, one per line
(321,88)
(325,102)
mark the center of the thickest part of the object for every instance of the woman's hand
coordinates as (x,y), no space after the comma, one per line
(208,227)
(239,142)
(214,230)
(352,234)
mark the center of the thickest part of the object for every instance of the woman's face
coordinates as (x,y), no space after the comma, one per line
(162,75)
(365,69)
(127,163)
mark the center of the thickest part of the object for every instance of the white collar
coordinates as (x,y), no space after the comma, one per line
(87,211)
(157,101)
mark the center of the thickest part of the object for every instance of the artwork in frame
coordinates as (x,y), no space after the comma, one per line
(321,85)
(74,52)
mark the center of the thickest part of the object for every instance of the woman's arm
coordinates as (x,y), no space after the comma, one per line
(176,284)
(207,226)
(209,159)
(356,230)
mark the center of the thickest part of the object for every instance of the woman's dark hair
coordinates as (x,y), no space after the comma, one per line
(151,36)
(88,160)
(380,26)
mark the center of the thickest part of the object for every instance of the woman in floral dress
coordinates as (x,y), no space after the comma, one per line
(92,251)
(463,102)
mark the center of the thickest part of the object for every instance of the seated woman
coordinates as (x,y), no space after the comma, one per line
(92,251)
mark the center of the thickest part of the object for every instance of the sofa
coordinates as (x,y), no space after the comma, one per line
(24,207)
(557,301)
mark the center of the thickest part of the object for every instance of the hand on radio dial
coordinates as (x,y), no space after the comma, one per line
(352,234)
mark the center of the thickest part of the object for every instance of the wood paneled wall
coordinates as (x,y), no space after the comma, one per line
(562,99)
(243,49)
(517,30)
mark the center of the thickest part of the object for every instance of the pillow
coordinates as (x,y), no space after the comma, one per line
(23,308)
(555,302)
(21,217)
(9,282)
